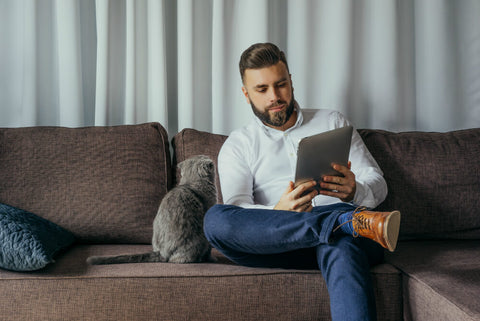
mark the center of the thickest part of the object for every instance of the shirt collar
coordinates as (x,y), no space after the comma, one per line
(269,131)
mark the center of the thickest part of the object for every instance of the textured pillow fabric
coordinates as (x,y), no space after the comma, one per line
(27,241)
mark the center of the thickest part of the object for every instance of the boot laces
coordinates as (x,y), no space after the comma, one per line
(361,220)
(358,219)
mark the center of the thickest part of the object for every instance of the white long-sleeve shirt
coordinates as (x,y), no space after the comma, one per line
(257,162)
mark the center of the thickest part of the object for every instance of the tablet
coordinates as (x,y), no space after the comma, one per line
(317,153)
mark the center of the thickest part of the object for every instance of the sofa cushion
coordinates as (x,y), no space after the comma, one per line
(191,142)
(166,291)
(104,184)
(432,178)
(27,241)
(441,279)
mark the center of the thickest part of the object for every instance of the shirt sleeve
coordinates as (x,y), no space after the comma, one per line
(371,187)
(236,179)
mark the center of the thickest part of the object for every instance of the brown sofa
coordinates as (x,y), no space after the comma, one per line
(104,185)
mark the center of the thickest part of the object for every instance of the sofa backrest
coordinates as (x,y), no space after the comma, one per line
(432,178)
(190,142)
(104,184)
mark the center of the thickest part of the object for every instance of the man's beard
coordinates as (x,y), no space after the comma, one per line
(277,119)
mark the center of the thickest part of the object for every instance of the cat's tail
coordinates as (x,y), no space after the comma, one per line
(150,257)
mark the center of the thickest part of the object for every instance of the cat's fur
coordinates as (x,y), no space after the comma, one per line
(178,227)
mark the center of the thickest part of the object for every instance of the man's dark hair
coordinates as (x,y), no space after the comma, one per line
(261,55)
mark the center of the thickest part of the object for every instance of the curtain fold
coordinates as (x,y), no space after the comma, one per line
(186,71)
(69,64)
(156,51)
(389,64)
(101,91)
(28,71)
(131,81)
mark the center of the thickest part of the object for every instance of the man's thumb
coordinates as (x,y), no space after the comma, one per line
(290,187)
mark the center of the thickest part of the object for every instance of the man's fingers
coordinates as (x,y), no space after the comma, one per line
(306,207)
(335,179)
(305,201)
(297,199)
(345,170)
(302,188)
(337,188)
(332,187)
(289,188)
(340,168)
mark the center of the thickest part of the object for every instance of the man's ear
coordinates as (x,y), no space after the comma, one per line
(245,93)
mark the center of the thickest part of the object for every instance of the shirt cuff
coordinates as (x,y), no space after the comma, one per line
(360,194)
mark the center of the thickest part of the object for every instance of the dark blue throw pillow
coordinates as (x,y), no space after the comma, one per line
(27,241)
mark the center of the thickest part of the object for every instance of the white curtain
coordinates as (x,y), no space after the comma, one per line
(388,64)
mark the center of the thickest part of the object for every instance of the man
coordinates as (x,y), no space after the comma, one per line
(268,222)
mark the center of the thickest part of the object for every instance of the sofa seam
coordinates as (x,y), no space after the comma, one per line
(166,153)
(406,276)
(160,277)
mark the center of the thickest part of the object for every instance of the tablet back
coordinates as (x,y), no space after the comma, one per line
(317,153)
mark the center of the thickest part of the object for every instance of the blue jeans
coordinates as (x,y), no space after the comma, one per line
(271,238)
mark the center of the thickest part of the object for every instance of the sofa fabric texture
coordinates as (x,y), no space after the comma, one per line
(161,291)
(432,178)
(441,278)
(104,184)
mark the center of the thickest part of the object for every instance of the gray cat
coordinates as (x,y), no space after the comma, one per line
(178,227)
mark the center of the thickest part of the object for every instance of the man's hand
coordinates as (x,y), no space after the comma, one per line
(343,188)
(295,199)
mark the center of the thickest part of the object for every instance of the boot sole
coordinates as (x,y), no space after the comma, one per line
(391,229)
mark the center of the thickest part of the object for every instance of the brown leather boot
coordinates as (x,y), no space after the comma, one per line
(382,227)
